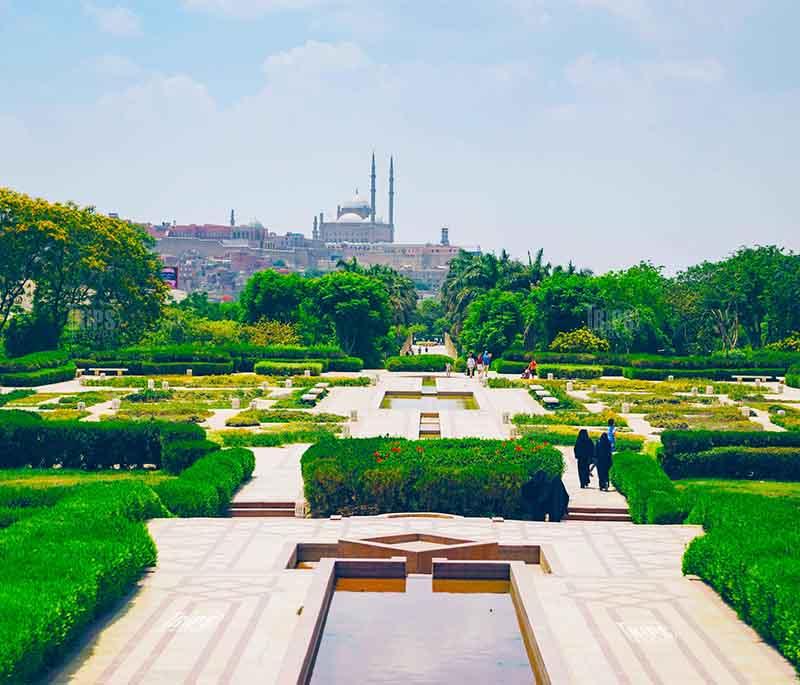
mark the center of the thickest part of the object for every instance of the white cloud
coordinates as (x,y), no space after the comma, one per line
(116,66)
(315,58)
(116,20)
(249,8)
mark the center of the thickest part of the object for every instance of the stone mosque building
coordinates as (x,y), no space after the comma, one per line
(356,220)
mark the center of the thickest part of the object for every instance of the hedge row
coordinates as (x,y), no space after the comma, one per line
(34,362)
(242,358)
(762,360)
(15,395)
(27,379)
(65,565)
(283,368)
(651,495)
(419,362)
(759,463)
(713,374)
(470,476)
(27,440)
(206,487)
(750,555)
(793,376)
(685,442)
(566,436)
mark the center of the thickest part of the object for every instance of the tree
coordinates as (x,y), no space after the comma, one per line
(274,296)
(357,308)
(401,290)
(493,322)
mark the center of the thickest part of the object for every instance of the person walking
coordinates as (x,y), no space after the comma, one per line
(612,434)
(471,365)
(487,362)
(447,368)
(584,453)
(479,364)
(603,459)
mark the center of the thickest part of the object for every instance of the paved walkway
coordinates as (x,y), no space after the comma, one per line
(220,608)
(593,496)
(276,477)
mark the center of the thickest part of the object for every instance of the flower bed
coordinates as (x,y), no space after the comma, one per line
(255,417)
(470,476)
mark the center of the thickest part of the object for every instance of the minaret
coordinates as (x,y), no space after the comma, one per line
(315,231)
(391,191)
(372,191)
(233,218)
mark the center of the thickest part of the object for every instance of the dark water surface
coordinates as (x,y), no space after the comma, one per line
(417,631)
(439,402)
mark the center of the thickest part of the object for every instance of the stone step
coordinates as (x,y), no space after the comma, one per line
(597,517)
(264,512)
(597,510)
(262,505)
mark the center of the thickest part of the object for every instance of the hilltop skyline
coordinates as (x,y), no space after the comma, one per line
(604,131)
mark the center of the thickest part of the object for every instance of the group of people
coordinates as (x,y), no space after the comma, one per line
(591,455)
(479,363)
(420,350)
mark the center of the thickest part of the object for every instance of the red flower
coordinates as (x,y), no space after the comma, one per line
(395,449)
(379,460)
(517,448)
(420,450)
(376,454)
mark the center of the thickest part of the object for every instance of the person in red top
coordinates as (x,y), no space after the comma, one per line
(530,370)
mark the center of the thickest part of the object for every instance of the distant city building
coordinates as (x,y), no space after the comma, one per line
(218,259)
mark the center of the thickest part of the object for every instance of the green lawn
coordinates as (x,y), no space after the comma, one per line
(47,478)
(766,488)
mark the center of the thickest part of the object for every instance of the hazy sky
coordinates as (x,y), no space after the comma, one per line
(605,131)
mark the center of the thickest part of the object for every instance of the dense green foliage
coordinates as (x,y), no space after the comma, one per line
(759,463)
(687,442)
(279,368)
(26,440)
(419,362)
(472,477)
(566,436)
(712,374)
(750,555)
(295,433)
(748,299)
(64,566)
(793,376)
(83,263)
(206,487)
(651,495)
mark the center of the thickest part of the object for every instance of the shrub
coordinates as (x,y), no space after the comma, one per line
(206,487)
(683,442)
(62,567)
(749,555)
(579,340)
(759,463)
(791,343)
(564,371)
(419,362)
(180,454)
(283,368)
(566,436)
(346,364)
(506,366)
(34,362)
(300,433)
(26,440)
(147,395)
(793,376)
(26,379)
(469,476)
(651,495)
(712,374)
(254,417)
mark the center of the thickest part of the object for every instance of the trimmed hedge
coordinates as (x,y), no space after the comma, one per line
(206,487)
(27,379)
(419,362)
(15,395)
(26,440)
(750,555)
(683,442)
(346,364)
(178,455)
(651,495)
(283,368)
(566,436)
(509,366)
(793,377)
(469,476)
(34,362)
(713,374)
(565,371)
(758,463)
(64,566)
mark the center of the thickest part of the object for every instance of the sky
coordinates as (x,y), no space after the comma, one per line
(604,131)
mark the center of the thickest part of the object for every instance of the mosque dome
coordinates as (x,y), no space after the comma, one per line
(350,218)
